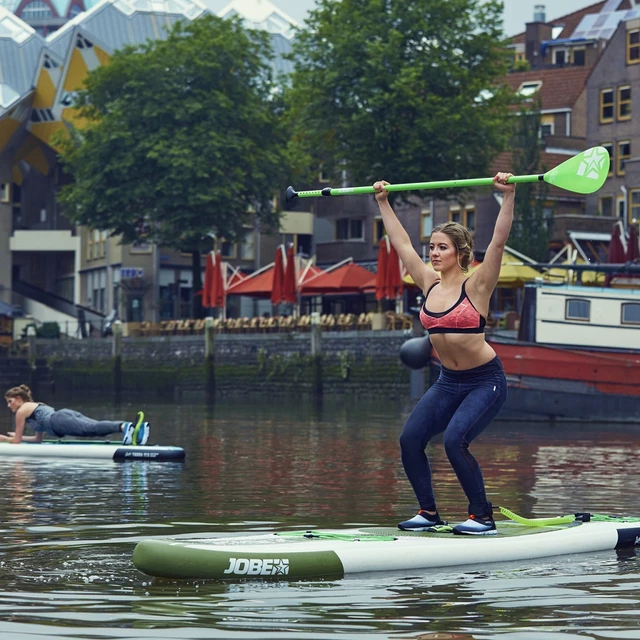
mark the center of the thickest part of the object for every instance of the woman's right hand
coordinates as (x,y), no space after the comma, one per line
(381,193)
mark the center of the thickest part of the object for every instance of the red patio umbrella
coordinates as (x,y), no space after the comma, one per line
(218,293)
(289,288)
(208,283)
(213,291)
(393,280)
(349,278)
(278,276)
(633,246)
(616,254)
(381,269)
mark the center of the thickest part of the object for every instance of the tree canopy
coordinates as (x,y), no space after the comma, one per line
(532,226)
(182,138)
(405,90)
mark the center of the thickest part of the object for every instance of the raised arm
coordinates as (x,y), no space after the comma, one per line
(485,278)
(422,275)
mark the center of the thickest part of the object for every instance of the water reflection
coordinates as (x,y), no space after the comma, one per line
(69,529)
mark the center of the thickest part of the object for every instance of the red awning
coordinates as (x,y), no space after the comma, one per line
(260,283)
(257,285)
(349,278)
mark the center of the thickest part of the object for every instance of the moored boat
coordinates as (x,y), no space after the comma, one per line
(576,356)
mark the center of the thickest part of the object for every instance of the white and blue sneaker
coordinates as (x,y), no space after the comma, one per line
(127,432)
(141,435)
(475,526)
(422,521)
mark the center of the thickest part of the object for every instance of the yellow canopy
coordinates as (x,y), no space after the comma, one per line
(511,276)
(587,277)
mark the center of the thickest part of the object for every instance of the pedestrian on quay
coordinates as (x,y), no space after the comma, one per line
(45,420)
(471,388)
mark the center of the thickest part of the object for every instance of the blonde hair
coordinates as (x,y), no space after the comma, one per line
(462,241)
(19,392)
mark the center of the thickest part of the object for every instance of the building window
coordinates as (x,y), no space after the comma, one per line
(605,208)
(246,248)
(349,229)
(465,217)
(633,46)
(227,250)
(470,218)
(426,224)
(528,89)
(579,56)
(631,313)
(546,125)
(577,309)
(302,243)
(624,102)
(606,105)
(624,152)
(559,57)
(378,230)
(96,244)
(634,204)
(36,11)
(609,147)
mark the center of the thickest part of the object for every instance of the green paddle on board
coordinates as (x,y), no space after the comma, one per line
(583,173)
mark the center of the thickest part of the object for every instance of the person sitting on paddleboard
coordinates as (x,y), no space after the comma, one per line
(44,419)
(472,386)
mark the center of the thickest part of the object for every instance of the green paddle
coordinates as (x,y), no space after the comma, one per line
(583,173)
(581,517)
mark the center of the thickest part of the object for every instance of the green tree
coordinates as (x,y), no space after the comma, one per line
(405,90)
(531,231)
(182,138)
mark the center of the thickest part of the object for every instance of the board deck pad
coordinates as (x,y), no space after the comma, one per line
(504,529)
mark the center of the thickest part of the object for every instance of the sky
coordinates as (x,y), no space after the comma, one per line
(516,12)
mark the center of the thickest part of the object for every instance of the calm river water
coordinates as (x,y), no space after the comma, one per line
(69,529)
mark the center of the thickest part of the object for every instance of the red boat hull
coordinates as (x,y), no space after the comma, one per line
(547,382)
(603,371)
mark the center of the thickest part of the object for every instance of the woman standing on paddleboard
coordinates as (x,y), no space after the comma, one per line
(44,419)
(472,387)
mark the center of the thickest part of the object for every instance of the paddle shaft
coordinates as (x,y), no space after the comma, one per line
(412,186)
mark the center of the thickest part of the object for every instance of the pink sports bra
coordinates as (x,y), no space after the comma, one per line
(463,317)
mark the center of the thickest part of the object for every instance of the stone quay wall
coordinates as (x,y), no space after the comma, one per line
(351,362)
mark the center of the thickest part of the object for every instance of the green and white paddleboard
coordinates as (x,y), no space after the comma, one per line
(341,552)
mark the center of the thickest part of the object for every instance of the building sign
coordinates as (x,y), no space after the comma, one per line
(131,272)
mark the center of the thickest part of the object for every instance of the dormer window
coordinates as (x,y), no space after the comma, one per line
(579,57)
(559,57)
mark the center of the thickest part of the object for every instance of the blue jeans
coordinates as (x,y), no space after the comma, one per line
(461,404)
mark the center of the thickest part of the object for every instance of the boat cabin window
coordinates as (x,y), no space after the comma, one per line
(578,309)
(631,313)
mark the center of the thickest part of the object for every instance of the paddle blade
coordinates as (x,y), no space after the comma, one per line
(584,173)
